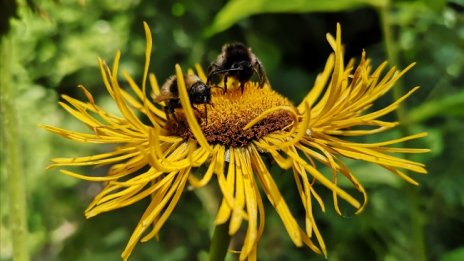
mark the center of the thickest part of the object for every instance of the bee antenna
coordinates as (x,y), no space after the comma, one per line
(227,70)
(206,113)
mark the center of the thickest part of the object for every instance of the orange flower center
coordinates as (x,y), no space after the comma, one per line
(230,112)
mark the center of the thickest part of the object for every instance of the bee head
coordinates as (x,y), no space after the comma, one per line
(199,93)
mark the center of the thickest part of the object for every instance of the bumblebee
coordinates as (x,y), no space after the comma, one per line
(236,60)
(198,92)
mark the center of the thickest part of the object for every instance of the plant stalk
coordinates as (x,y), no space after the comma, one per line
(220,242)
(415,216)
(11,155)
(392,53)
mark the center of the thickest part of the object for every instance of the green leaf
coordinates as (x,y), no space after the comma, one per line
(454,255)
(449,105)
(235,10)
(437,5)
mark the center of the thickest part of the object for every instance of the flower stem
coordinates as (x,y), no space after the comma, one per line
(11,145)
(220,242)
(392,53)
(417,225)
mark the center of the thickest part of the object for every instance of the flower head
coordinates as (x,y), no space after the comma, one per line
(156,159)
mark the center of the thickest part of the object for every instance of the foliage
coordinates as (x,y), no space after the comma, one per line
(55,49)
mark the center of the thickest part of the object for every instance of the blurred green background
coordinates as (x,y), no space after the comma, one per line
(55,45)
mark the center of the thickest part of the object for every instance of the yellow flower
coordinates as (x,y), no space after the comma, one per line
(157,159)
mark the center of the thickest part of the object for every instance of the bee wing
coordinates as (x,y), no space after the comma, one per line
(212,70)
(191,79)
(259,69)
(163,97)
(168,90)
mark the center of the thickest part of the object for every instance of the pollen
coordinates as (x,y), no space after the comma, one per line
(225,120)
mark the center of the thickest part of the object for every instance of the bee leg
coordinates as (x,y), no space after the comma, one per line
(242,86)
(167,112)
(174,116)
(206,112)
(226,75)
(208,79)
(259,70)
(198,111)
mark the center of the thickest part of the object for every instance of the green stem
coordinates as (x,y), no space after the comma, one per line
(11,156)
(417,223)
(415,216)
(220,242)
(392,53)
